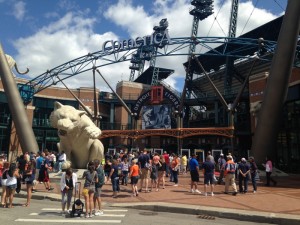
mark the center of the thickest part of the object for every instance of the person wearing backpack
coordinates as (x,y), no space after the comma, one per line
(229,173)
(88,191)
(98,187)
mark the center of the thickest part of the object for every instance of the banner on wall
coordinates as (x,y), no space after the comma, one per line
(156,117)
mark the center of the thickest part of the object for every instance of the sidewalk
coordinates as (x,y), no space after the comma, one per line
(280,204)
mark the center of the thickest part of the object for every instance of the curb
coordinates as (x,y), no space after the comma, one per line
(39,196)
(201,211)
(254,216)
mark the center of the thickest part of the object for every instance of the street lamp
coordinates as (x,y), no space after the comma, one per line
(179,126)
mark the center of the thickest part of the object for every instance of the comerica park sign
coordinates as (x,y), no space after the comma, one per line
(155,39)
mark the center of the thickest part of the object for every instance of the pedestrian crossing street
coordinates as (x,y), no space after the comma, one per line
(53,215)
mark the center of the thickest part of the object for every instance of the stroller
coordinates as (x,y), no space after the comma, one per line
(77,207)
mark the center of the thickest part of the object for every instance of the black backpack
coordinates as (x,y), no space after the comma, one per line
(101,177)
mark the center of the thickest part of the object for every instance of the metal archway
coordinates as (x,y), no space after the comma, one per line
(110,56)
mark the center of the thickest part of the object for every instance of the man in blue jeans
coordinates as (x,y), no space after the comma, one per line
(244,171)
(253,172)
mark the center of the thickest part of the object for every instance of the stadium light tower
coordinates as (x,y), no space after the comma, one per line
(202,9)
(163,25)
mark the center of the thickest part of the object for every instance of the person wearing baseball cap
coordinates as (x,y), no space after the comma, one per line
(221,163)
(244,172)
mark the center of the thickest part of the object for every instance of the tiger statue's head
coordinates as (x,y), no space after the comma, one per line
(65,118)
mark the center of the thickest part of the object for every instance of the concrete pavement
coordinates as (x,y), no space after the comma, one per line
(279,205)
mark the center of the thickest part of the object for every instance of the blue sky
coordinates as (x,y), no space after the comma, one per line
(41,35)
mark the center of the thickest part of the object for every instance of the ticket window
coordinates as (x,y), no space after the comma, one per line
(156,94)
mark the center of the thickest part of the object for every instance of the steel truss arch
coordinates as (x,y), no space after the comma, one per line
(176,47)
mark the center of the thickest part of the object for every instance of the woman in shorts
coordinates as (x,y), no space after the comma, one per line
(107,169)
(162,167)
(29,175)
(11,183)
(154,176)
(3,183)
(134,174)
(88,191)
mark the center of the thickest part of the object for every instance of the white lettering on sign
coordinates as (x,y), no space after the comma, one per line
(157,39)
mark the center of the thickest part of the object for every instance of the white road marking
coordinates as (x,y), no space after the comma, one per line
(103,215)
(115,210)
(105,210)
(112,215)
(67,221)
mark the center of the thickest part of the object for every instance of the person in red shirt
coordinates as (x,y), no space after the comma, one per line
(167,161)
(134,174)
(175,167)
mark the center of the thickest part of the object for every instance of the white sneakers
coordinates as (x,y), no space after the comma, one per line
(197,191)
(212,194)
(99,213)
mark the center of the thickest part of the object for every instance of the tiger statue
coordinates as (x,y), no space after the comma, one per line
(79,136)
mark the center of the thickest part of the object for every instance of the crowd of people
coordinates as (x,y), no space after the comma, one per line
(145,172)
(150,172)
(28,169)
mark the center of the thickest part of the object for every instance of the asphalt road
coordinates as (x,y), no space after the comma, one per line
(48,212)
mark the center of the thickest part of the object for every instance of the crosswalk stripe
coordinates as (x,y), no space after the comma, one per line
(103,215)
(115,210)
(105,210)
(67,221)
(112,215)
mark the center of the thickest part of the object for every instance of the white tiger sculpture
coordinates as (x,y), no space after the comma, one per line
(78,135)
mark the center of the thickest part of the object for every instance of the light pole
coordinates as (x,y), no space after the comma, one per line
(134,127)
(179,126)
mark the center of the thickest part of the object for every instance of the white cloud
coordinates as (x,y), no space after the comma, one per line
(74,35)
(53,45)
(19,10)
(133,19)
